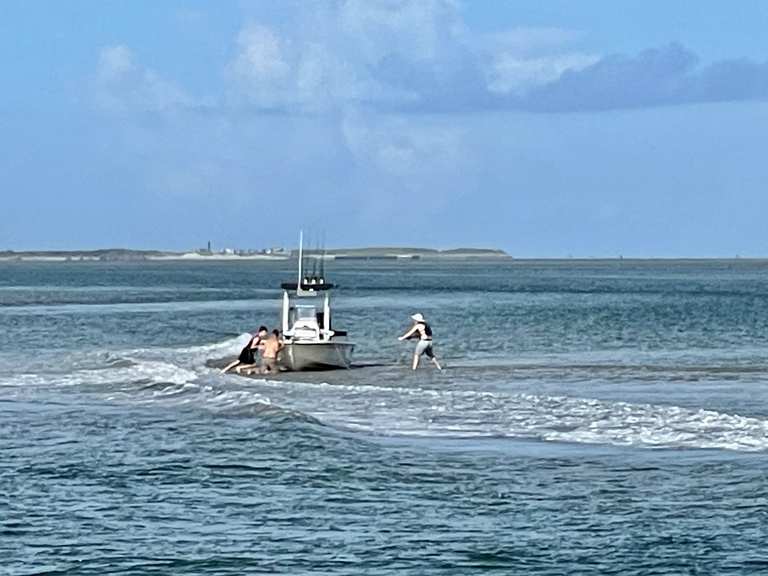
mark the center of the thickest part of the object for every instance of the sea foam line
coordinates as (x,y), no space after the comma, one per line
(416,411)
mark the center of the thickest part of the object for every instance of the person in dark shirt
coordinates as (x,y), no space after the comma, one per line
(247,359)
(423,331)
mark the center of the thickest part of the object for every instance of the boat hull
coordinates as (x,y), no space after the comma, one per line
(298,356)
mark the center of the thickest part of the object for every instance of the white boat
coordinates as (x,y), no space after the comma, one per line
(309,340)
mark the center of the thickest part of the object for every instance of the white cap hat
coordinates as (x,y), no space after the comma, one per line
(417,317)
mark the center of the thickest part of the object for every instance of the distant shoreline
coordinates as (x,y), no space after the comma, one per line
(125,255)
(342,254)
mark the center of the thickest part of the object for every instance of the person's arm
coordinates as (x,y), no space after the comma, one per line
(410,333)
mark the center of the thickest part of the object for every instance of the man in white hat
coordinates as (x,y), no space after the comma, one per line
(421,330)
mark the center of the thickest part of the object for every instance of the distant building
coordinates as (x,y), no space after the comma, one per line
(205,251)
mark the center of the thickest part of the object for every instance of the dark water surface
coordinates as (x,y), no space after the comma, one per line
(595,418)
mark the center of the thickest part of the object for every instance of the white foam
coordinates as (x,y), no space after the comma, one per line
(198,395)
(144,371)
(152,376)
(409,411)
(140,365)
(192,356)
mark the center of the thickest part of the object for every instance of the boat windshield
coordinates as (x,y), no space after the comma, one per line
(306,313)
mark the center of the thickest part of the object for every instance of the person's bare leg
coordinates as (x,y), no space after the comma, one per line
(244,368)
(252,369)
(229,366)
(415,361)
(436,363)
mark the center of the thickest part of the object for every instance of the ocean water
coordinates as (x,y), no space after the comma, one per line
(593,418)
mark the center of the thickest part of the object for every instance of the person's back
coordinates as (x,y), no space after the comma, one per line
(271,349)
(271,346)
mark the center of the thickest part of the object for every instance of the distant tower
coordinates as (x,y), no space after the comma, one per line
(209,247)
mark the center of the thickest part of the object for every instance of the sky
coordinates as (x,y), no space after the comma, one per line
(547,128)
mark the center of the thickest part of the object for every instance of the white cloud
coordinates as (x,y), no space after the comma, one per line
(347,53)
(115,61)
(323,79)
(519,59)
(390,54)
(123,85)
(260,57)
(418,30)
(511,74)
(299,74)
(419,56)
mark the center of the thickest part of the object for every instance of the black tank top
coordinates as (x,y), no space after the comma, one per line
(247,355)
(427,331)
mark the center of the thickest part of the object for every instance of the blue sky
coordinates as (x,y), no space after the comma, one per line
(547,128)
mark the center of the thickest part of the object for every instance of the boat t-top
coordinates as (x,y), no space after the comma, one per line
(309,340)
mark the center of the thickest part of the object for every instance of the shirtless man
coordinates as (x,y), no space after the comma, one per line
(423,332)
(272,347)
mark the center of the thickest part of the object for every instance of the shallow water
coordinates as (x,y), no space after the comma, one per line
(594,418)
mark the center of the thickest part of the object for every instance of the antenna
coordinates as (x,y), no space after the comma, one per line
(314,263)
(301,257)
(322,259)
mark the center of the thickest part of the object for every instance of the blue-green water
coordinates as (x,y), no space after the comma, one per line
(594,418)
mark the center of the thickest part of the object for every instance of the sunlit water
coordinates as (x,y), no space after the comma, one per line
(594,418)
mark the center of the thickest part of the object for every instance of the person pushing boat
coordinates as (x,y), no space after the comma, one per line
(272,347)
(423,331)
(247,358)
